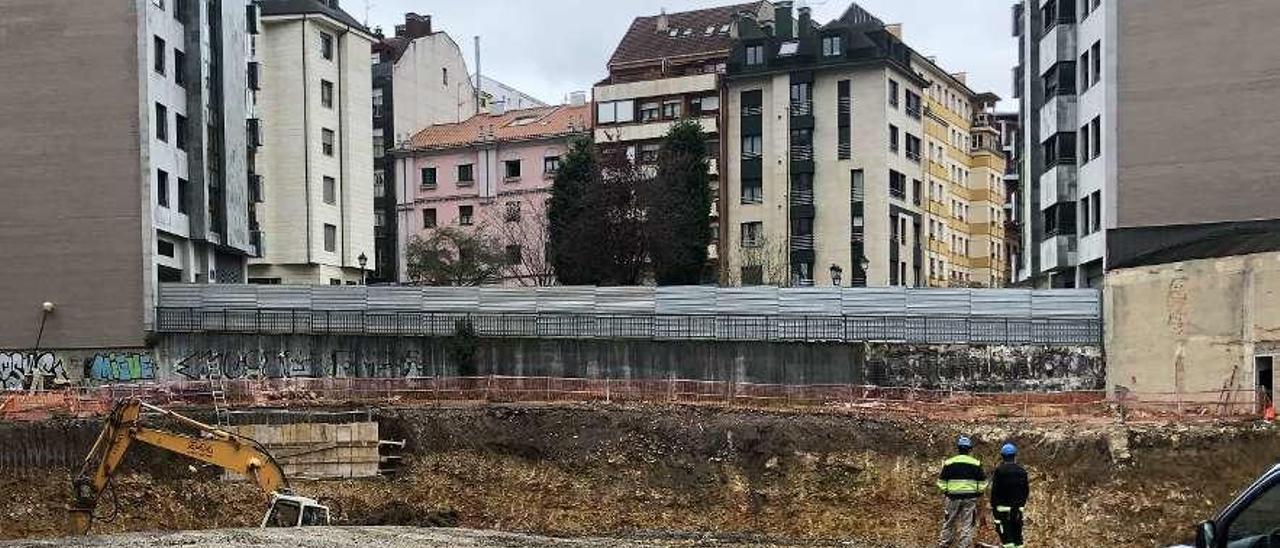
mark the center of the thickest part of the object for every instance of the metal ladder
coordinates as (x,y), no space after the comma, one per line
(218,389)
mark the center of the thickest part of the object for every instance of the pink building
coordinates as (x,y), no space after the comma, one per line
(493,173)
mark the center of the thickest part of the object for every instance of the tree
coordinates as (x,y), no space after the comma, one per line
(678,207)
(570,247)
(764,263)
(618,218)
(454,256)
(524,231)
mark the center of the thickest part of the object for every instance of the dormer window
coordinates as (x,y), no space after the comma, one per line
(755,55)
(788,48)
(831,46)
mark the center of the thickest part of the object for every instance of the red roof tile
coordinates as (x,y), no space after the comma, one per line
(514,125)
(643,42)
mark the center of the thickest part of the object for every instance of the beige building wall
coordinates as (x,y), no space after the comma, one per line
(294,212)
(1185,331)
(423,95)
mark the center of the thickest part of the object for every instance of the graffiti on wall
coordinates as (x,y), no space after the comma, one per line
(120,367)
(263,364)
(26,370)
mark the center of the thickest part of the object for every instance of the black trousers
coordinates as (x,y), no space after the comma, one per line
(1008,525)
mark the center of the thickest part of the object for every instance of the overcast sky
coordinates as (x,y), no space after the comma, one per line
(548,48)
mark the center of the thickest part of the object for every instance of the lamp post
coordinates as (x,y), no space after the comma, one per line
(364,260)
(865,264)
(836,272)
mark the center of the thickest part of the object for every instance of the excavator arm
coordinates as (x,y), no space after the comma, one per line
(216,446)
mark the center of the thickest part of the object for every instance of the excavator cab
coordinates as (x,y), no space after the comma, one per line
(295,511)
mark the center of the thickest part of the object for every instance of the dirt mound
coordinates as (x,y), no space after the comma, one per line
(614,470)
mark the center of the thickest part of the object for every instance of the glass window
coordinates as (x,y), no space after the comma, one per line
(429,177)
(752,191)
(326,141)
(649,111)
(511,169)
(893,93)
(162,123)
(158,52)
(831,46)
(465,215)
(314,515)
(710,103)
(326,93)
(551,165)
(671,109)
(465,174)
(752,234)
(330,238)
(1258,521)
(429,218)
(755,55)
(330,190)
(284,513)
(162,187)
(326,45)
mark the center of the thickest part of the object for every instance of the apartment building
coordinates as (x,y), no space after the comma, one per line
(316,203)
(493,92)
(1009,126)
(856,160)
(491,173)
(964,179)
(419,80)
(668,67)
(126,161)
(1144,135)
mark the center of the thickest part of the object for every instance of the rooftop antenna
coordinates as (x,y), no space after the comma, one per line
(368,5)
(478,80)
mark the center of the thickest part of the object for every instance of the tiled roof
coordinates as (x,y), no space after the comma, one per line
(643,42)
(514,125)
(292,7)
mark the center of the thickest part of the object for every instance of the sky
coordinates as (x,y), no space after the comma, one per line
(549,48)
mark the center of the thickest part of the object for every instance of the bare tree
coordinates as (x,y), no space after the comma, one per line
(767,258)
(454,256)
(522,228)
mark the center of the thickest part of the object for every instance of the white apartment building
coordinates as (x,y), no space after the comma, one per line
(316,157)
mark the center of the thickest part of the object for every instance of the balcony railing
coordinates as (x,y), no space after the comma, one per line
(802,108)
(844,105)
(751,155)
(802,197)
(913,111)
(802,242)
(913,155)
(844,151)
(801,152)
(752,110)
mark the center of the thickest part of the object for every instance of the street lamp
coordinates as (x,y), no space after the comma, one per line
(865,264)
(836,271)
(364,260)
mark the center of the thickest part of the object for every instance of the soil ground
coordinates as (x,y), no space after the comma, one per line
(618,471)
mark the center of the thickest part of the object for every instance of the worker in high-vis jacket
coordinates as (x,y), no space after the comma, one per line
(962,481)
(1009,491)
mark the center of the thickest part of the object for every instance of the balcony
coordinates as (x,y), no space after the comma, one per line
(1058,115)
(802,197)
(802,242)
(802,108)
(1058,44)
(1058,253)
(913,155)
(799,153)
(1058,184)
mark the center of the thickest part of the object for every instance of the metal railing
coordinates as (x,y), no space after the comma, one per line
(801,152)
(802,197)
(802,242)
(801,108)
(849,328)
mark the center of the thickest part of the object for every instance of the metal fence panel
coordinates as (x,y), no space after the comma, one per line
(735,301)
(451,299)
(508,299)
(810,301)
(938,302)
(284,296)
(1071,303)
(231,296)
(1005,303)
(625,300)
(182,295)
(874,301)
(685,300)
(394,298)
(337,297)
(567,300)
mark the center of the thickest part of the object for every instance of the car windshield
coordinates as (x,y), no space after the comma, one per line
(283,514)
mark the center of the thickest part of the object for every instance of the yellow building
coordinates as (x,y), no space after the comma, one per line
(964,217)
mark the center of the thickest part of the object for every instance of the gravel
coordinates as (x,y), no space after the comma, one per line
(391,537)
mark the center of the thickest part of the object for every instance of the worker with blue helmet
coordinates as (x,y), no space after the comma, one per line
(1009,491)
(962,482)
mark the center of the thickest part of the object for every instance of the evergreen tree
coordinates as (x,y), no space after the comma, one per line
(678,208)
(571,247)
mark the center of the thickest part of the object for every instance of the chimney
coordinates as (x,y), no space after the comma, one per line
(332,3)
(895,29)
(578,98)
(806,21)
(415,26)
(782,20)
(664,23)
(498,108)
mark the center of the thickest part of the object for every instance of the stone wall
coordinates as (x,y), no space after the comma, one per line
(1188,330)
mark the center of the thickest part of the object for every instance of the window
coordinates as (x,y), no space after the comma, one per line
(551,165)
(857,186)
(1060,219)
(913,104)
(1084,70)
(893,93)
(1060,149)
(1060,79)
(326,94)
(787,49)
(164,247)
(326,45)
(511,169)
(466,174)
(159,50)
(512,213)
(429,218)
(615,112)
(162,187)
(330,238)
(897,185)
(1085,211)
(1095,127)
(649,153)
(893,138)
(649,111)
(162,123)
(710,103)
(444,76)
(377,103)
(913,148)
(752,147)
(465,214)
(1096,216)
(326,141)
(753,275)
(752,191)
(831,46)
(179,67)
(428,177)
(182,195)
(1084,144)
(755,55)
(917,188)
(514,254)
(1095,53)
(1258,521)
(180,131)
(330,190)
(753,234)
(671,109)
(332,281)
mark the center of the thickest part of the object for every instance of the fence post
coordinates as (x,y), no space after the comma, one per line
(606,389)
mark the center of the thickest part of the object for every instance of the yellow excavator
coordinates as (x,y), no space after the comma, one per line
(214,445)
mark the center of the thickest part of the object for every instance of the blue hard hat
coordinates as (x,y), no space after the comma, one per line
(964,442)
(1008,450)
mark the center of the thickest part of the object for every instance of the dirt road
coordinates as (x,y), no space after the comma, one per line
(390,537)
